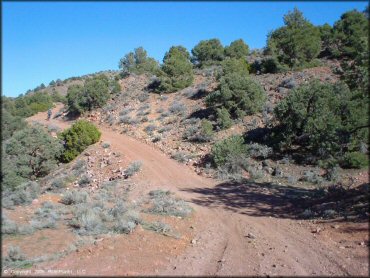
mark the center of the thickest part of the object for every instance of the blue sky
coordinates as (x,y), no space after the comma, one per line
(43,41)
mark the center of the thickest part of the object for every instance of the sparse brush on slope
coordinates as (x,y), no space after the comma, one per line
(163,203)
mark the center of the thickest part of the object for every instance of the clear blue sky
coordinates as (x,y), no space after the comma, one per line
(43,41)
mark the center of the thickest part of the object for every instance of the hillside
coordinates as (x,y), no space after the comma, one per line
(220,162)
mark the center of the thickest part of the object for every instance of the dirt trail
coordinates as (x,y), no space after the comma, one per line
(234,235)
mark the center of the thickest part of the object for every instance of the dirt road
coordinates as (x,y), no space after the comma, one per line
(240,229)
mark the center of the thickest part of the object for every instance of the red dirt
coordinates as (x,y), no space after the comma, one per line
(224,216)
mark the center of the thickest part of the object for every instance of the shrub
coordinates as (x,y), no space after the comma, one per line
(87,221)
(45,217)
(143,97)
(228,147)
(10,124)
(237,49)
(324,118)
(58,183)
(232,167)
(223,118)
(296,43)
(125,119)
(79,165)
(138,62)
(142,113)
(355,160)
(105,145)
(163,203)
(85,180)
(233,65)
(133,168)
(206,131)
(15,259)
(125,111)
(312,176)
(177,107)
(176,72)
(266,65)
(77,138)
(208,52)
(74,197)
(95,93)
(30,153)
(190,132)
(158,227)
(8,226)
(350,34)
(238,94)
(256,150)
(180,157)
(124,226)
(20,195)
(150,128)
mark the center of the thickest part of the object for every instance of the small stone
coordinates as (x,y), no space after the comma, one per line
(335,226)
(342,247)
(194,241)
(317,230)
(35,201)
(250,235)
(362,243)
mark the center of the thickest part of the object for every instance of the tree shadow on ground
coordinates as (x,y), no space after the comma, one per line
(199,94)
(263,199)
(202,113)
(252,198)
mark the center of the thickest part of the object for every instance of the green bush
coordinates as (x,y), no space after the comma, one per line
(206,131)
(267,65)
(328,119)
(351,35)
(177,71)
(238,49)
(77,138)
(138,62)
(229,147)
(296,43)
(355,160)
(223,118)
(233,65)
(75,101)
(238,94)
(30,153)
(20,194)
(57,97)
(10,124)
(95,93)
(208,52)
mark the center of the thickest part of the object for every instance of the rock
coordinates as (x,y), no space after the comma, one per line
(362,243)
(335,226)
(193,241)
(35,201)
(250,235)
(316,231)
(277,172)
